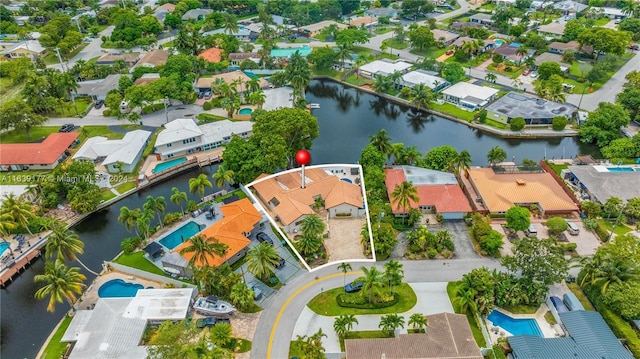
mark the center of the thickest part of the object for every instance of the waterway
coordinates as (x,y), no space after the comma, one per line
(347,118)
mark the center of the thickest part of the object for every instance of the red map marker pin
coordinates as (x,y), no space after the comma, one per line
(303,157)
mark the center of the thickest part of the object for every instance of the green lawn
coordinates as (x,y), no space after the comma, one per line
(365,334)
(52,58)
(496,124)
(620,229)
(331,73)
(602,21)
(434,52)
(325,303)
(9,91)
(382,30)
(575,288)
(237,192)
(126,187)
(36,133)
(208,118)
(245,345)
(521,309)
(358,81)
(103,131)
(68,110)
(452,288)
(152,108)
(137,260)
(55,349)
(358,50)
(106,194)
(453,110)
(516,71)
(557,168)
(395,44)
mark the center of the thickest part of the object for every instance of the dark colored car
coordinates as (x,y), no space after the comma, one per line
(68,127)
(208,95)
(262,237)
(257,293)
(281,263)
(98,104)
(353,287)
(210,321)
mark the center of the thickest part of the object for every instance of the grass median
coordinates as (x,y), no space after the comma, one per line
(325,303)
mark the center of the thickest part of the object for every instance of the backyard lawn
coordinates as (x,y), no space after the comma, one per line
(137,260)
(9,91)
(358,81)
(36,134)
(55,349)
(126,187)
(453,111)
(103,131)
(325,303)
(395,44)
(557,168)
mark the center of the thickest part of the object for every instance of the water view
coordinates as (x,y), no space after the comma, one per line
(347,118)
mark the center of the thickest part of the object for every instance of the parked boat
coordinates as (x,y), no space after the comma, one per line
(314,105)
(212,305)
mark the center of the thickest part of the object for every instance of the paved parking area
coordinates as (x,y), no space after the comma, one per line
(461,240)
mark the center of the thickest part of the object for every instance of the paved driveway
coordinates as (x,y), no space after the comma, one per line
(291,267)
(461,240)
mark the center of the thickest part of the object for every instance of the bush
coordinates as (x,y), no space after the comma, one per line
(447,254)
(557,225)
(568,247)
(517,124)
(361,301)
(559,123)
(130,244)
(207,106)
(432,253)
(602,233)
(482,116)
(106,113)
(171,218)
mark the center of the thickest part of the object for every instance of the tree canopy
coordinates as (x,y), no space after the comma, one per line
(540,260)
(518,218)
(603,124)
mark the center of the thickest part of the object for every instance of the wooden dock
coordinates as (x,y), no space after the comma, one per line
(209,161)
(18,265)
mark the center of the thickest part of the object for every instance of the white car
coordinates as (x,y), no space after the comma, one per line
(534,74)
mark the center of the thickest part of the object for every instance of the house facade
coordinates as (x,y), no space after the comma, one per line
(469,96)
(45,155)
(383,68)
(534,110)
(30,49)
(118,156)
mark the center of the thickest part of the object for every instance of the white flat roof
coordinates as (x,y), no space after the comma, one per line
(419,77)
(216,131)
(385,67)
(159,304)
(465,89)
(177,130)
(278,98)
(125,150)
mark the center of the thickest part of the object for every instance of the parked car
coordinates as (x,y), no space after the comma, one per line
(200,95)
(450,52)
(211,321)
(207,95)
(534,74)
(281,263)
(634,47)
(98,104)
(68,127)
(257,293)
(526,72)
(263,237)
(353,287)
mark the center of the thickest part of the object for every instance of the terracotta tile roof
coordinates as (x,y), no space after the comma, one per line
(211,55)
(229,77)
(168,7)
(364,20)
(501,191)
(294,202)
(154,58)
(45,153)
(243,55)
(239,217)
(448,336)
(447,198)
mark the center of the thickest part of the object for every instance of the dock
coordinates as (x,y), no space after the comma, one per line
(203,162)
(18,265)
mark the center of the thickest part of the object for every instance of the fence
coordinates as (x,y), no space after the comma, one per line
(560,181)
(147,275)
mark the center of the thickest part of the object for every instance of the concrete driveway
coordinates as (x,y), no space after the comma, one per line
(460,237)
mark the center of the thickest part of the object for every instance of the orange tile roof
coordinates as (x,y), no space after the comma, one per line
(168,6)
(46,152)
(212,55)
(446,198)
(501,191)
(362,21)
(239,217)
(295,202)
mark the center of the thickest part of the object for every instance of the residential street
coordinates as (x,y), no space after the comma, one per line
(278,320)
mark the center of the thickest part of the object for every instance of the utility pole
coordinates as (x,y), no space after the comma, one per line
(60,59)
(166,114)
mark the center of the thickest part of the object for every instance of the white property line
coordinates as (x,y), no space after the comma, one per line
(286,238)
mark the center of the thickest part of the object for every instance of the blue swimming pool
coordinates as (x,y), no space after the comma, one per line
(180,235)
(245,111)
(346,179)
(168,164)
(515,326)
(498,42)
(620,169)
(251,74)
(515,44)
(3,247)
(118,288)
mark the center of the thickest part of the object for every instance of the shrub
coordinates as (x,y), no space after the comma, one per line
(568,247)
(361,301)
(130,244)
(602,232)
(207,106)
(517,124)
(448,244)
(432,253)
(447,254)
(559,123)
(557,225)
(106,113)
(171,218)
(482,116)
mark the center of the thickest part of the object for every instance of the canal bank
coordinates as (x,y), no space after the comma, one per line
(529,132)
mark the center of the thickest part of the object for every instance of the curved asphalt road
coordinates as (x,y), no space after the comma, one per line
(275,329)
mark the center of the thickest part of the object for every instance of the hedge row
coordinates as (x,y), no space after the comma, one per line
(602,233)
(342,303)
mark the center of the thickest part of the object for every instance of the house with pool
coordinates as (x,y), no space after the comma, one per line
(438,192)
(182,137)
(469,96)
(534,110)
(240,78)
(116,155)
(601,182)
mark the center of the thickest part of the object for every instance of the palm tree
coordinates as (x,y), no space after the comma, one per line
(603,271)
(382,84)
(343,53)
(466,298)
(178,197)
(522,51)
(344,267)
(418,321)
(491,77)
(631,8)
(17,211)
(391,322)
(128,217)
(461,162)
(312,226)
(395,77)
(230,23)
(318,203)
(60,283)
(204,248)
(241,296)
(402,196)
(343,324)
(309,244)
(143,224)
(371,281)
(393,272)
(6,226)
(262,259)
(421,96)
(381,141)
(198,184)
(222,176)
(157,205)
(257,98)
(221,334)
(231,104)
(298,73)
(64,244)
(470,47)
(496,155)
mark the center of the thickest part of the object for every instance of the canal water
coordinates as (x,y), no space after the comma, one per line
(347,118)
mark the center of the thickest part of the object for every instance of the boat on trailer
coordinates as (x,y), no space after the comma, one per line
(213,306)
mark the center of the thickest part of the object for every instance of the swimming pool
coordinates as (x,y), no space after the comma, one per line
(515,44)
(621,169)
(180,235)
(3,247)
(346,179)
(498,42)
(287,52)
(118,288)
(515,326)
(245,111)
(251,74)
(168,164)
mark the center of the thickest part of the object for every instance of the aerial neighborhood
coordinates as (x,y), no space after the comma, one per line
(320,179)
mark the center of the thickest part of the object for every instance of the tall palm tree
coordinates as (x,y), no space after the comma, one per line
(230,23)
(631,8)
(343,324)
(343,53)
(522,51)
(312,226)
(262,259)
(421,96)
(466,298)
(155,205)
(222,176)
(17,211)
(204,248)
(371,281)
(461,162)
(60,283)
(491,77)
(470,47)
(257,98)
(382,84)
(391,322)
(178,197)
(128,217)
(143,224)
(309,244)
(64,244)
(395,78)
(198,184)
(402,196)
(496,155)
(418,321)
(603,271)
(241,296)
(381,141)
(393,273)
(298,73)
(344,267)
